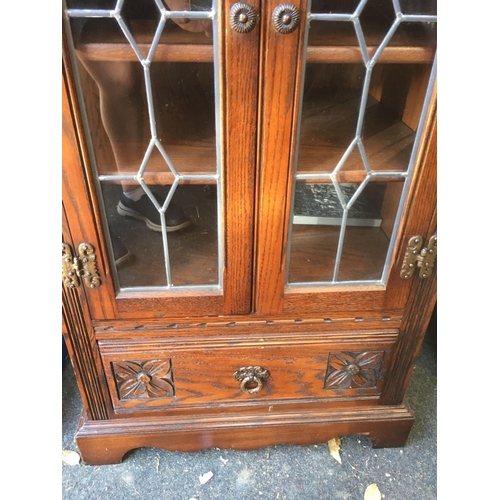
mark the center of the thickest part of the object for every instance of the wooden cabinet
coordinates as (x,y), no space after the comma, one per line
(249,219)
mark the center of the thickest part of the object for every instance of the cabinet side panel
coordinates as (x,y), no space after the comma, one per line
(82,348)
(420,211)
(422,292)
(414,326)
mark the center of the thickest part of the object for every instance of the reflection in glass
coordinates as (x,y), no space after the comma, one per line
(366,244)
(339,6)
(149,88)
(192,251)
(318,220)
(366,83)
(419,7)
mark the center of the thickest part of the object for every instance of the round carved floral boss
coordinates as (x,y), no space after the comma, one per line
(242,17)
(286,18)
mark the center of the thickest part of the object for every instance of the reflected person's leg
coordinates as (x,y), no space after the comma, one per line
(124,112)
(122,109)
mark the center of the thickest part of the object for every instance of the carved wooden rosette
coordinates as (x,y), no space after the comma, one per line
(144,379)
(356,370)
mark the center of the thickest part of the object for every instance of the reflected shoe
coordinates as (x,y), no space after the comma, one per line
(121,253)
(144,210)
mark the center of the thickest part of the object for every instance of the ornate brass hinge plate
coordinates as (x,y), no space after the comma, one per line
(82,267)
(416,256)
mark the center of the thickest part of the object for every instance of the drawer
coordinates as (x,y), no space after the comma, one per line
(158,375)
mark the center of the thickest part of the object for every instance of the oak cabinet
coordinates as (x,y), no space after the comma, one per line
(249,219)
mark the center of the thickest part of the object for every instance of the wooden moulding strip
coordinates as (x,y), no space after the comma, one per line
(252,419)
(352,339)
(264,324)
(106,442)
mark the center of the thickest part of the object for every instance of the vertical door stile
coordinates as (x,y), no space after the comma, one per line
(73,178)
(241,102)
(421,207)
(281,78)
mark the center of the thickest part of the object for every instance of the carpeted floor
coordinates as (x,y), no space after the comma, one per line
(274,473)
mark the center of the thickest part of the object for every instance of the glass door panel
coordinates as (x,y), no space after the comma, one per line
(148,81)
(366,87)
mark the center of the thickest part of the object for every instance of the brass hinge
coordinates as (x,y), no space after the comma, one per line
(416,256)
(83,267)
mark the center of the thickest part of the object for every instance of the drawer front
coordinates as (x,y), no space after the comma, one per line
(157,375)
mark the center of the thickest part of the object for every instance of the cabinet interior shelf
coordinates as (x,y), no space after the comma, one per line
(191,158)
(336,42)
(327,131)
(105,42)
(387,140)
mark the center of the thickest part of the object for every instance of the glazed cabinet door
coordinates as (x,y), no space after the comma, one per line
(159,145)
(354,179)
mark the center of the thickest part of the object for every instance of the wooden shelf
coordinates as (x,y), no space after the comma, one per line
(336,42)
(104,41)
(327,131)
(196,158)
(325,136)
(314,248)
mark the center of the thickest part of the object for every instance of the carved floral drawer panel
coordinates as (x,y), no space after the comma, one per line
(156,375)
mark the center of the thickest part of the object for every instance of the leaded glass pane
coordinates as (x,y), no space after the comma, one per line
(148,84)
(369,68)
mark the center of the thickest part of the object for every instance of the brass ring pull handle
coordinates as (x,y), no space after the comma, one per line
(286,18)
(251,378)
(242,17)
